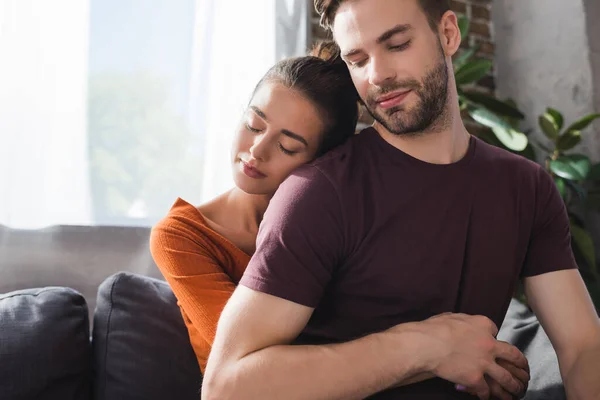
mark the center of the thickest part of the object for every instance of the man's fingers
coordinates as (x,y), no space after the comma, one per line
(497,391)
(510,353)
(508,382)
(480,389)
(515,371)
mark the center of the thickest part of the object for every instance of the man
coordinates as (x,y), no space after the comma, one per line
(385,268)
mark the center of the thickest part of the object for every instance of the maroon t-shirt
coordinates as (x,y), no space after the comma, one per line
(371,237)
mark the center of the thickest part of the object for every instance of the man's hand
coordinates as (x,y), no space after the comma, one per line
(522,375)
(463,350)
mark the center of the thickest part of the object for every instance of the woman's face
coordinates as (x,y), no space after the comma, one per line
(280,131)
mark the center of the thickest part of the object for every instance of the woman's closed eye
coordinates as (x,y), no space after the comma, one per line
(286,151)
(283,149)
(252,129)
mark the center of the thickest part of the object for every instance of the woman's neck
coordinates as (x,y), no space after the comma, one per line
(248,209)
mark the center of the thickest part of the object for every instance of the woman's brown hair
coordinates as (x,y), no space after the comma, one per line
(322,78)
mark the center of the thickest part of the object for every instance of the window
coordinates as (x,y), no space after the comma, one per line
(111,109)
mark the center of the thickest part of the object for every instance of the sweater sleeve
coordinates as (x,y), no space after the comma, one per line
(200,284)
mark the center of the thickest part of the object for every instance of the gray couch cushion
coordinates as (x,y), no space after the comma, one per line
(141,345)
(522,329)
(44,345)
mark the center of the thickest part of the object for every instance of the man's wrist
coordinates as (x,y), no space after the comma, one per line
(409,340)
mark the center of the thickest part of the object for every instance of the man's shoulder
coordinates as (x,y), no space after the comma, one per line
(504,160)
(329,177)
(348,158)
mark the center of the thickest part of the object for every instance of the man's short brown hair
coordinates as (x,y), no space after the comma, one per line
(434,9)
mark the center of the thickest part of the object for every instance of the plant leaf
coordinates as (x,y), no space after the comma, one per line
(568,140)
(464,25)
(557,116)
(529,153)
(594,174)
(493,104)
(542,146)
(562,188)
(548,125)
(578,189)
(488,118)
(472,71)
(512,139)
(465,56)
(585,244)
(574,167)
(583,122)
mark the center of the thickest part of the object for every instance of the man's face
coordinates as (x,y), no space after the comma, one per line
(396,61)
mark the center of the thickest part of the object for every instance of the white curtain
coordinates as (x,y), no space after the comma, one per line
(110,109)
(43,107)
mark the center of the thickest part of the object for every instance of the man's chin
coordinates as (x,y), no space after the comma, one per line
(395,126)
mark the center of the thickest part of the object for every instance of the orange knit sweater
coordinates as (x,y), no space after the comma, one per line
(201,266)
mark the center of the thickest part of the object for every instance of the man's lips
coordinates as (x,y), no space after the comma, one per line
(392,99)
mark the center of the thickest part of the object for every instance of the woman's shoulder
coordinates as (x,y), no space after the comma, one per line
(185,223)
(190,228)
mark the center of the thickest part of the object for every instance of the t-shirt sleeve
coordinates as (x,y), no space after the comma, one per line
(300,241)
(550,242)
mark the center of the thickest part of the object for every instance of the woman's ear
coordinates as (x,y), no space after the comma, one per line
(449,33)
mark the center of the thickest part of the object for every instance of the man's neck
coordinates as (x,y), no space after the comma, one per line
(438,146)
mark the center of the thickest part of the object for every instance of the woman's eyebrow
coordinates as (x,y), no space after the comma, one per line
(294,136)
(259,112)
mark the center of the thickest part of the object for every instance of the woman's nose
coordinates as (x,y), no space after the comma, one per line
(259,149)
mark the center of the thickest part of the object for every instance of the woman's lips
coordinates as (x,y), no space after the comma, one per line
(251,172)
(394,100)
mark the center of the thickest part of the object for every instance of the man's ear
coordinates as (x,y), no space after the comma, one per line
(449,33)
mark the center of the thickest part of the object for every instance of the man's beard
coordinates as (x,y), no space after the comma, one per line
(430,109)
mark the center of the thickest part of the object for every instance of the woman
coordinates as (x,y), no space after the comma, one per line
(302,108)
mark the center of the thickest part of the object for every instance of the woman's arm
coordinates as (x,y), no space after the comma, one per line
(200,284)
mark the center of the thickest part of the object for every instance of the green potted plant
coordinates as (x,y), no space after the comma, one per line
(501,117)
(577,180)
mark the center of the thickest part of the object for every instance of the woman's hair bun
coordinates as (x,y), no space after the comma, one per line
(327,50)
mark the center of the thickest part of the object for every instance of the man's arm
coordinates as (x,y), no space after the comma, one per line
(563,306)
(252,357)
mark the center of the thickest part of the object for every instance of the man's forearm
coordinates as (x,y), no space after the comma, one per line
(352,370)
(581,379)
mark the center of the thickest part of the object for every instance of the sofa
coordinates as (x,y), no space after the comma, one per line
(84,314)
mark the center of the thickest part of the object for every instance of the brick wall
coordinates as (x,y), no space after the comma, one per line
(481,34)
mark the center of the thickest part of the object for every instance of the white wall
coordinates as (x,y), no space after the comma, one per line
(592,11)
(543,59)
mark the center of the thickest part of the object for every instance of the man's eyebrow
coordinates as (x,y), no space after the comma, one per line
(402,28)
(351,53)
(259,112)
(294,136)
